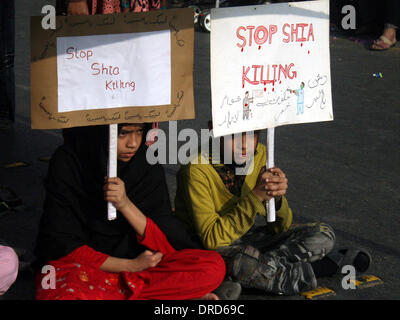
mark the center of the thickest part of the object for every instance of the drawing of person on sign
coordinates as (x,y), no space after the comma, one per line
(300,98)
(246,106)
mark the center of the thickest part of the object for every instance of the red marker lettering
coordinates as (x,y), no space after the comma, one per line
(241,37)
(250,34)
(68,52)
(311,33)
(94,67)
(272,30)
(257,38)
(287,39)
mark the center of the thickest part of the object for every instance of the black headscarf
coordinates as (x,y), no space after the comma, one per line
(75,212)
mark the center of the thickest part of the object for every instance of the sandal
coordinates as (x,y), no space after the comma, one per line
(359,258)
(379,45)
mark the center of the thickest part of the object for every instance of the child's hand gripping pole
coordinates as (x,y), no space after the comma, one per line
(270,164)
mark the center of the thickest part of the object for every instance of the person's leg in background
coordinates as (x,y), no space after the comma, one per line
(391,12)
(392,19)
(7,51)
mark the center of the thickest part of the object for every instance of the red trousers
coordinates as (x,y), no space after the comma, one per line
(184,274)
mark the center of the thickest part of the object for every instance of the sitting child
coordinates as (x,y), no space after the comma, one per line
(127,258)
(220,207)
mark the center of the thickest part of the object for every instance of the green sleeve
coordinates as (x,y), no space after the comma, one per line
(217,230)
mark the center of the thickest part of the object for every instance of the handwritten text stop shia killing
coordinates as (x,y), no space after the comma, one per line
(258,36)
(101,69)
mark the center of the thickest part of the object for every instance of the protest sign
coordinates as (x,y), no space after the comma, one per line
(109,69)
(270,66)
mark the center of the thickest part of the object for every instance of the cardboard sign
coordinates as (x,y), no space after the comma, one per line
(119,68)
(270,66)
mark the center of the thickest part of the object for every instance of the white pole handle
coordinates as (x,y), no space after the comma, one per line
(270,164)
(112,165)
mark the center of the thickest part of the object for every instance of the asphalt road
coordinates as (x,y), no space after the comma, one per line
(344,172)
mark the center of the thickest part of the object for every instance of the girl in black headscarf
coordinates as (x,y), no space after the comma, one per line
(132,257)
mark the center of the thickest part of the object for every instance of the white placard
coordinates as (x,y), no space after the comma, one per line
(261,56)
(114,70)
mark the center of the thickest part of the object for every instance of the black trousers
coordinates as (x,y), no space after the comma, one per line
(391,12)
(7,52)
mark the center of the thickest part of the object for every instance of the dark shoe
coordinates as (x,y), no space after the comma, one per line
(228,290)
(359,258)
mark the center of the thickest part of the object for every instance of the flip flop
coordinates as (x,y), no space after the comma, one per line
(390,43)
(359,258)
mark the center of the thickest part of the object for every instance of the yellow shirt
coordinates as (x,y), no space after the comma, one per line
(218,217)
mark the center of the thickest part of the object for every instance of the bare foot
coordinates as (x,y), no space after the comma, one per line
(390,33)
(386,41)
(209,296)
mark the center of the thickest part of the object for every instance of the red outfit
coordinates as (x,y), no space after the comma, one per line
(184,274)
